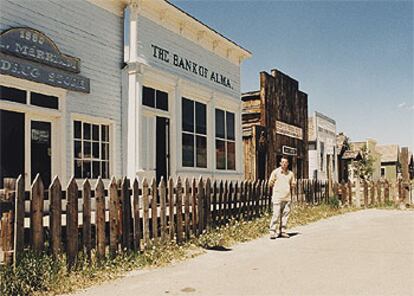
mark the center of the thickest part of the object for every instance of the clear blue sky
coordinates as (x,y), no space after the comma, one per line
(354,59)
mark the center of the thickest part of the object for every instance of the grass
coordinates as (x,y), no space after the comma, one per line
(38,274)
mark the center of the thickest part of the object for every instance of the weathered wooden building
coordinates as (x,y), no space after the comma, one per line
(275,124)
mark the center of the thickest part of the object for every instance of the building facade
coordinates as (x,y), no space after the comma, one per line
(275,124)
(181,105)
(390,161)
(109,88)
(323,155)
(60,90)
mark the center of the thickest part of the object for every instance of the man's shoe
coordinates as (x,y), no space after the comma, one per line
(273,235)
(284,235)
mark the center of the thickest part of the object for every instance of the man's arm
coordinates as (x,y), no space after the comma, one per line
(272,178)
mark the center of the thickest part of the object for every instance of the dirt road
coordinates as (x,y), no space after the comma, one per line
(368,252)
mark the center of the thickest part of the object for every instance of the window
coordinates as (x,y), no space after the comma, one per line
(91,150)
(194,140)
(12,94)
(322,152)
(44,100)
(154,98)
(225,140)
(312,146)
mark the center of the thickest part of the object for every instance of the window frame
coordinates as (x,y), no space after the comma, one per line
(225,139)
(194,133)
(101,159)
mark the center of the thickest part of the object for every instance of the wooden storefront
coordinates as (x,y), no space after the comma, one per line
(275,124)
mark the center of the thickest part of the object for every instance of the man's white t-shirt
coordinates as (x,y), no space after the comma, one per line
(281,182)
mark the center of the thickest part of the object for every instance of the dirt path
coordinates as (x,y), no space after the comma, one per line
(362,253)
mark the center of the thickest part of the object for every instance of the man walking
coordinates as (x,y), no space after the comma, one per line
(282,180)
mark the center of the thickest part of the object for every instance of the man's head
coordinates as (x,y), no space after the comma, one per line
(284,163)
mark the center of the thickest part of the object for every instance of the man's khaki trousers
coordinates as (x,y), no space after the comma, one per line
(281,211)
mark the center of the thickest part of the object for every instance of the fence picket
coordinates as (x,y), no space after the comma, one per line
(171,216)
(137,219)
(126,214)
(163,209)
(113,217)
(19,220)
(100,218)
(154,209)
(86,221)
(72,222)
(145,216)
(187,208)
(179,211)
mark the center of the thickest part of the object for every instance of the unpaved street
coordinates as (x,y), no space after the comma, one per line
(368,252)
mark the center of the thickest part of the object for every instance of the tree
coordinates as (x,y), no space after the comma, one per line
(364,167)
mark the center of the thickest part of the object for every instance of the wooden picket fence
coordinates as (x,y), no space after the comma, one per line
(127,216)
(122,217)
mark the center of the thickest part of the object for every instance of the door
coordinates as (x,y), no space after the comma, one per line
(11,145)
(162,148)
(41,151)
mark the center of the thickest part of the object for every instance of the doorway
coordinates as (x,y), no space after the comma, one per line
(41,151)
(11,145)
(162,148)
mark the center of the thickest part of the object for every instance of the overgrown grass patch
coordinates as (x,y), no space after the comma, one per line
(38,274)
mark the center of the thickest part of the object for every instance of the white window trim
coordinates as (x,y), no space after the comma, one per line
(31,112)
(112,137)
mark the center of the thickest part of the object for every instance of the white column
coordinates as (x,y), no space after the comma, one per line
(211,134)
(175,131)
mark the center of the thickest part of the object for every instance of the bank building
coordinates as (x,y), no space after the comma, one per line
(107,88)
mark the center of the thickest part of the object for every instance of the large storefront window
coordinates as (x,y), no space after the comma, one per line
(194,125)
(154,98)
(225,140)
(91,150)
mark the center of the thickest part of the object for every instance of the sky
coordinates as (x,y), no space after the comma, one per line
(354,59)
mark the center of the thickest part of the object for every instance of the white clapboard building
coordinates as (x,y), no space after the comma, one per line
(322,147)
(182,95)
(94,88)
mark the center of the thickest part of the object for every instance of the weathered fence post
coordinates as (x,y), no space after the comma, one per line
(194,211)
(349,193)
(126,214)
(358,192)
(72,222)
(187,208)
(372,193)
(100,218)
(200,201)
(113,217)
(37,198)
(163,211)
(220,203)
(86,219)
(55,198)
(145,216)
(379,193)
(171,222)
(7,221)
(386,192)
(230,201)
(365,183)
(137,218)
(344,194)
(154,210)
(208,205)
(224,202)
(19,220)
(179,210)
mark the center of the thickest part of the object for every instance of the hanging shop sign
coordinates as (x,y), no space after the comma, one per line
(289,130)
(190,66)
(289,150)
(29,54)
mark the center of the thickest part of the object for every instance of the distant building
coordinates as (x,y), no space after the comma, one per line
(390,164)
(322,147)
(371,145)
(275,124)
(342,146)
